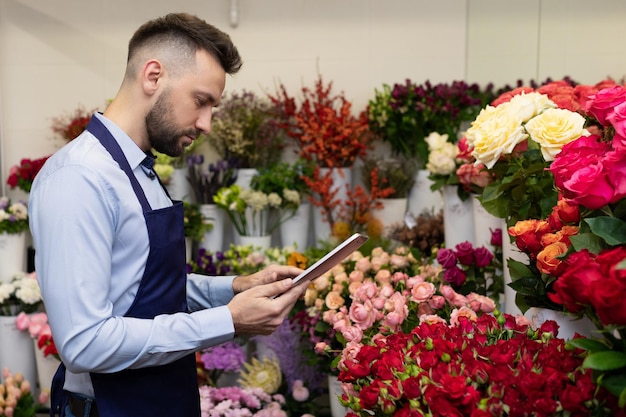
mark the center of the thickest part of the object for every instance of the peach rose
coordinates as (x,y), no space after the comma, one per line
(334,300)
(547,259)
(422,292)
(457,313)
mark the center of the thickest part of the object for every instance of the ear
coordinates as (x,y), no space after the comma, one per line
(151,76)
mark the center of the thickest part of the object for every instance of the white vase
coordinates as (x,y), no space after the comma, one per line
(342,181)
(46,368)
(12,255)
(334,392)
(421,198)
(568,325)
(510,251)
(458,218)
(392,213)
(485,224)
(178,186)
(16,350)
(295,230)
(244,176)
(213,240)
(258,242)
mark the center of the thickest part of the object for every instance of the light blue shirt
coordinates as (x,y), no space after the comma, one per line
(91,245)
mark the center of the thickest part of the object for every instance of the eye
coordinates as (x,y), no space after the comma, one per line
(201,102)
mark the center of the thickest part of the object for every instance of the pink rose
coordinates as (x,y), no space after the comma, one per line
(398,261)
(482,256)
(465,253)
(457,313)
(455,276)
(446,257)
(431,319)
(615,166)
(618,121)
(590,187)
(363,265)
(437,302)
(386,290)
(383,276)
(22,321)
(602,104)
(422,292)
(366,291)
(356,275)
(363,314)
(334,300)
(352,333)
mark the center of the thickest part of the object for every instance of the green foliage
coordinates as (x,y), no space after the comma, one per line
(195,224)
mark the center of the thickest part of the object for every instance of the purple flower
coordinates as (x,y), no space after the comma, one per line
(455,276)
(483,257)
(228,356)
(496,237)
(446,258)
(465,253)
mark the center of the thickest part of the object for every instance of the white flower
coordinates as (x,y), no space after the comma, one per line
(6,291)
(436,141)
(292,196)
(256,200)
(442,160)
(527,106)
(274,200)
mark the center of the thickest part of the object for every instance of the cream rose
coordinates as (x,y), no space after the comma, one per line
(496,131)
(442,161)
(436,141)
(527,106)
(555,128)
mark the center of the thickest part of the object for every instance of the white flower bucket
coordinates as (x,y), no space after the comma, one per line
(12,255)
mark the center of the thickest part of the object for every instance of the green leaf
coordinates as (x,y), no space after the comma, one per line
(607,360)
(590,345)
(611,229)
(589,241)
(616,384)
(527,286)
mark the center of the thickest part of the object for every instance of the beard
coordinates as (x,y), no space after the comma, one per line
(163,133)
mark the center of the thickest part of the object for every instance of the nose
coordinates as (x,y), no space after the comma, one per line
(203,122)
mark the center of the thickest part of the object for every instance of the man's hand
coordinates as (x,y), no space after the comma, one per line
(270,274)
(254,311)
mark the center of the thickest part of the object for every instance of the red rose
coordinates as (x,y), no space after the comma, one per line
(446,258)
(465,253)
(608,301)
(368,396)
(575,155)
(455,276)
(483,257)
(581,277)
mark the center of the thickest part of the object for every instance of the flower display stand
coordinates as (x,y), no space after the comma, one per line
(484,224)
(46,368)
(392,212)
(334,392)
(16,350)
(568,325)
(295,230)
(12,255)
(213,240)
(342,180)
(244,177)
(422,198)
(178,186)
(458,218)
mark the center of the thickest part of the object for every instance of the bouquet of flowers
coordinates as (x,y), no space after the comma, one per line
(214,361)
(383,293)
(206,183)
(516,141)
(13,216)
(286,179)
(490,365)
(22,176)
(397,173)
(37,326)
(16,398)
(323,125)
(405,114)
(22,294)
(245,128)
(69,126)
(468,269)
(195,225)
(236,401)
(252,212)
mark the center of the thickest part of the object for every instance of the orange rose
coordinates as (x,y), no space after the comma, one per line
(528,234)
(547,259)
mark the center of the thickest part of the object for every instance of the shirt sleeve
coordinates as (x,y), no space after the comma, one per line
(206,291)
(74,214)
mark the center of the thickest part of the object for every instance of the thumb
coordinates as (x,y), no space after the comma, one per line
(276,288)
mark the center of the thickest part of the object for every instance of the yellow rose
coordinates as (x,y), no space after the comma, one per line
(496,131)
(555,128)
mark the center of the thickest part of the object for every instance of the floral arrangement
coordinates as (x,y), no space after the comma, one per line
(380,293)
(69,126)
(286,179)
(423,233)
(516,141)
(226,357)
(16,399)
(451,164)
(206,183)
(577,254)
(254,213)
(13,216)
(397,173)
(470,366)
(22,294)
(245,128)
(236,401)
(164,165)
(194,223)
(37,326)
(405,114)
(468,269)
(22,176)
(323,125)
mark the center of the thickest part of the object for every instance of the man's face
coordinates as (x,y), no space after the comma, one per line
(184,108)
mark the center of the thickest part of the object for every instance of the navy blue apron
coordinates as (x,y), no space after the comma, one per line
(166,390)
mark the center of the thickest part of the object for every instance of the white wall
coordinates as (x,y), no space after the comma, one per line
(58,54)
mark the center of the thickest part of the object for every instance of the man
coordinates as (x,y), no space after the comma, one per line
(110,246)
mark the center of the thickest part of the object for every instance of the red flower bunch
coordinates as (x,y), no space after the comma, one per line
(23,175)
(37,326)
(323,125)
(492,366)
(71,125)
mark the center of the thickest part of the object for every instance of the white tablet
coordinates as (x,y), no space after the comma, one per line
(332,258)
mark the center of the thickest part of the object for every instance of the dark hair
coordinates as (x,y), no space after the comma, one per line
(189,32)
